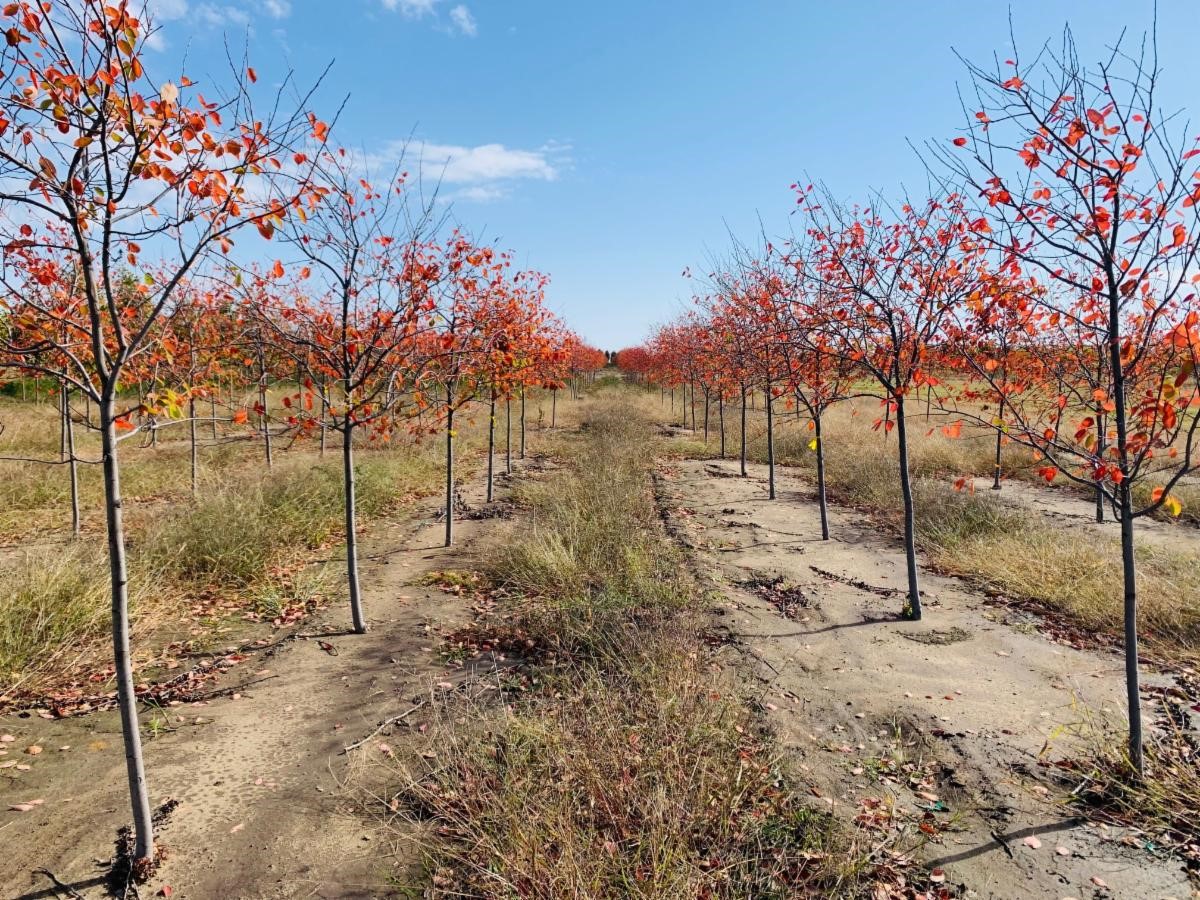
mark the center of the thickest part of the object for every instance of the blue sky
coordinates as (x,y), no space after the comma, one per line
(612,144)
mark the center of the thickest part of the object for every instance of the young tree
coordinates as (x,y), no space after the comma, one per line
(1087,184)
(120,164)
(362,296)
(895,283)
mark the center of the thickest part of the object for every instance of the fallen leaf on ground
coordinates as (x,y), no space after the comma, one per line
(1032,842)
(238,827)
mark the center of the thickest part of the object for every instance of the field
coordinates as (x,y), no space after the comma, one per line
(338,560)
(631,656)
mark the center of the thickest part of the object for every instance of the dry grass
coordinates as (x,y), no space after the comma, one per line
(242,546)
(636,772)
(1162,802)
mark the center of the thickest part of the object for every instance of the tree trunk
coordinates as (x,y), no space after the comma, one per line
(706,411)
(135,770)
(913,608)
(553,407)
(449,467)
(62,422)
(72,466)
(491,454)
(692,404)
(508,435)
(721,417)
(822,502)
(522,423)
(1129,572)
(769,399)
(266,426)
(1100,427)
(195,454)
(212,411)
(996,467)
(324,411)
(356,613)
(743,431)
(1125,510)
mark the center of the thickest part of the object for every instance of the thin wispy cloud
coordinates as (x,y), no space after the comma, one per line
(412,9)
(462,19)
(480,174)
(162,13)
(458,20)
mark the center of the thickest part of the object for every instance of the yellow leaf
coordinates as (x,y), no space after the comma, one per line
(812,445)
(1174,507)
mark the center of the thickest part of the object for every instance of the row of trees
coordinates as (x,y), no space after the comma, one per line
(129,209)
(1045,289)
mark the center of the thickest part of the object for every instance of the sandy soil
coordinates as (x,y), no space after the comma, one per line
(881,711)
(258,774)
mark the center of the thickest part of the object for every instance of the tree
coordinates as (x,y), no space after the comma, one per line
(362,295)
(100,162)
(1087,184)
(893,284)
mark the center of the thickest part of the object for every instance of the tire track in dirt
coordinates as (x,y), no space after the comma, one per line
(953,707)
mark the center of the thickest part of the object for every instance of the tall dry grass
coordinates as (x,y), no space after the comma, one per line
(638,772)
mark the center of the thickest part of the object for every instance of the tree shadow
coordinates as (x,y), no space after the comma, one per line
(58,889)
(1002,841)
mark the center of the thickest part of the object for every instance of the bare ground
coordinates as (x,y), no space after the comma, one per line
(899,723)
(259,773)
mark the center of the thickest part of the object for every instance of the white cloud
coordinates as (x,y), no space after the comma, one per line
(413,9)
(464,21)
(208,15)
(478,194)
(486,162)
(479,174)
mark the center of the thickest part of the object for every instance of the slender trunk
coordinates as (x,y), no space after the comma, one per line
(449,466)
(769,399)
(721,416)
(356,613)
(324,411)
(822,502)
(997,467)
(913,607)
(928,401)
(194,450)
(692,404)
(135,768)
(1125,510)
(508,435)
(1129,572)
(266,426)
(743,431)
(522,423)
(212,411)
(491,454)
(62,422)
(553,407)
(1099,454)
(707,401)
(72,467)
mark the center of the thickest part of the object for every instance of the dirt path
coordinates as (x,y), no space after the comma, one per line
(257,774)
(937,717)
